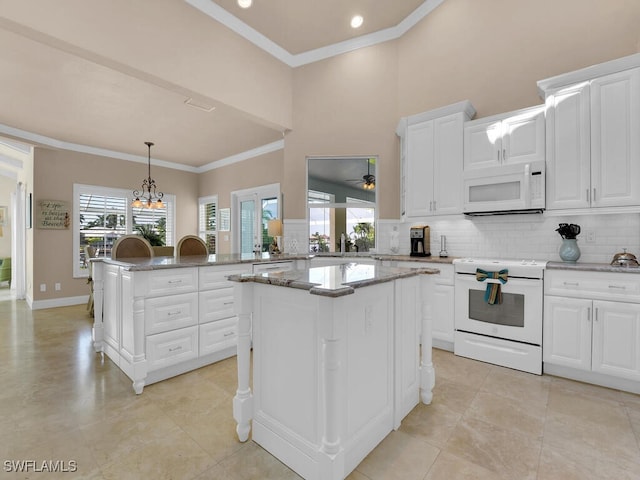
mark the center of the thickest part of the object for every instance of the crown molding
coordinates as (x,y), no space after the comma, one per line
(240,157)
(213,10)
(38,139)
(548,85)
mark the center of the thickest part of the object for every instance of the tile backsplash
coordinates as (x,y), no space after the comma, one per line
(521,236)
(502,236)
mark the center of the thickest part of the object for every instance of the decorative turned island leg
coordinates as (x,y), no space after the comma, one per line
(427,372)
(330,367)
(243,400)
(98,298)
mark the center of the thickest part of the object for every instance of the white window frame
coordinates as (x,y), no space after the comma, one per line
(79,189)
(345,205)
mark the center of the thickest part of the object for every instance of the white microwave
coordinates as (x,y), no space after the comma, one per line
(515,188)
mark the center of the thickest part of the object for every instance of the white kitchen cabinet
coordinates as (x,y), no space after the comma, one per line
(615,141)
(568,148)
(616,339)
(431,153)
(592,339)
(514,137)
(567,332)
(592,142)
(440,301)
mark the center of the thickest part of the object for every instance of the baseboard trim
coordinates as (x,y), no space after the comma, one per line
(58,302)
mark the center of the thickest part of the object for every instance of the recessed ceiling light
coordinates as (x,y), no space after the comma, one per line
(244,3)
(356,21)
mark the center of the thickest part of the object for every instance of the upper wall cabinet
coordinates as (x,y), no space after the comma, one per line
(515,137)
(593,145)
(431,157)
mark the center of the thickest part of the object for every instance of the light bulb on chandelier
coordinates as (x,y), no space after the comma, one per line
(147,197)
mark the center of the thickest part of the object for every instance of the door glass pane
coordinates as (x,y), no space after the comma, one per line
(247,225)
(510,312)
(269,212)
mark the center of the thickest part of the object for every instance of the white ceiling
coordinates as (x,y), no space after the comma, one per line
(58,93)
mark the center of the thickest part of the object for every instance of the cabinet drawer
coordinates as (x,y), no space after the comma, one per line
(174,280)
(216,336)
(593,285)
(272,267)
(216,304)
(170,348)
(216,277)
(162,314)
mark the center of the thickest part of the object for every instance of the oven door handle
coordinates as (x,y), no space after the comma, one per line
(492,280)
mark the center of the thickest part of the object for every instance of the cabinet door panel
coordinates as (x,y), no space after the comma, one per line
(615,142)
(616,339)
(443,312)
(567,332)
(568,148)
(447,188)
(523,137)
(482,144)
(419,169)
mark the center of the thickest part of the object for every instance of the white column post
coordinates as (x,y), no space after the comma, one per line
(243,400)
(427,372)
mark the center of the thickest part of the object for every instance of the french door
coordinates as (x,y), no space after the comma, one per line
(253,210)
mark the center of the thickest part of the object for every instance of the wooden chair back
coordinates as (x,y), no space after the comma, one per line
(131,246)
(191,245)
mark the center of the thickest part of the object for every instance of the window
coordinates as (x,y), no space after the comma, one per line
(208,221)
(341,199)
(102,215)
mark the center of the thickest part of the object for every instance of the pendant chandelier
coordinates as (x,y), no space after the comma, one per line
(147,197)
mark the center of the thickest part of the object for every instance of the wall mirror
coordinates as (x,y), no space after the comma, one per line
(341,199)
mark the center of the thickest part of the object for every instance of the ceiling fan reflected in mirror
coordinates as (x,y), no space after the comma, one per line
(368,181)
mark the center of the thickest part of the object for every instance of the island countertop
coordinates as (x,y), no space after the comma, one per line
(159,263)
(333,280)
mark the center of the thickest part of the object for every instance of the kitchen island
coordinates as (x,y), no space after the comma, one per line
(159,317)
(337,362)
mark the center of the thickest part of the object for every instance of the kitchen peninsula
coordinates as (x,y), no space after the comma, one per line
(336,361)
(159,317)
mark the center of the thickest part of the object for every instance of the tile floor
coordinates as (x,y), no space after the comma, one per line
(60,401)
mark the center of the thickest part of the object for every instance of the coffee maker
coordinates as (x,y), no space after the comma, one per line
(420,241)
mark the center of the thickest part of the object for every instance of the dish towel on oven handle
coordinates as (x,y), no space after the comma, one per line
(493,294)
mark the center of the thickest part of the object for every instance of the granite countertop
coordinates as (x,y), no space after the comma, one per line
(591,267)
(384,257)
(333,280)
(159,263)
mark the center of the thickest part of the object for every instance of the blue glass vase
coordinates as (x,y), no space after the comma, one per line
(569,250)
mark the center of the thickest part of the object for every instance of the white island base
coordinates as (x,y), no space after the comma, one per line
(332,375)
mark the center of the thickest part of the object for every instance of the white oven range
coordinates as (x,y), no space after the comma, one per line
(507,332)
